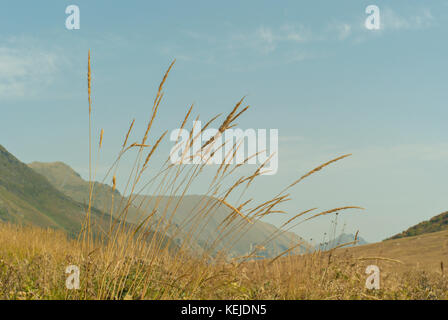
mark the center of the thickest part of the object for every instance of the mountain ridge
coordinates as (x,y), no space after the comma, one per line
(70,183)
(27,197)
(343,238)
(434,224)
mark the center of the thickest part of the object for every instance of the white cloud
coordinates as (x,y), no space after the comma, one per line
(266,37)
(336,30)
(266,40)
(288,40)
(285,40)
(344,30)
(295,33)
(390,20)
(24,72)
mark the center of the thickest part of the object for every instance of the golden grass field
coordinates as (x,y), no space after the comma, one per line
(122,263)
(34,260)
(427,252)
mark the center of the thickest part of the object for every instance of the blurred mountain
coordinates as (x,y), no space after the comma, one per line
(195,217)
(341,239)
(26,197)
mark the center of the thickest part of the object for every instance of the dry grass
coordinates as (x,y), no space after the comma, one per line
(129,262)
(34,260)
(428,252)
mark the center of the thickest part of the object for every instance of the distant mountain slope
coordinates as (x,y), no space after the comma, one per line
(341,239)
(27,197)
(427,251)
(437,223)
(205,226)
(70,183)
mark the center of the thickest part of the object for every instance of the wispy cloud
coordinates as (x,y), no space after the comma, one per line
(391,20)
(294,43)
(25,71)
(267,39)
(263,39)
(285,41)
(343,30)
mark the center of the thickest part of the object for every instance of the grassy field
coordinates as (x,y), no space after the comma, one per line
(33,263)
(428,252)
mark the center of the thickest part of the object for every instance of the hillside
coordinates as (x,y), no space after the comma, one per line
(205,226)
(435,224)
(71,184)
(426,251)
(26,197)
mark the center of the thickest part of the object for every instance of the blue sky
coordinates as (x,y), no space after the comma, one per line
(308,68)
